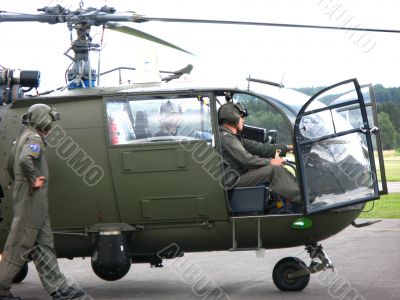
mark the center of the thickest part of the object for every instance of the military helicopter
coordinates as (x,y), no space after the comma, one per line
(124,191)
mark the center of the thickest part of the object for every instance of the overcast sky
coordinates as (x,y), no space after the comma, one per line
(302,57)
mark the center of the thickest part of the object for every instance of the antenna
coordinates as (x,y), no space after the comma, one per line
(283,76)
(265,82)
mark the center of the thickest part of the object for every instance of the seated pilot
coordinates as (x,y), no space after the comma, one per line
(254,162)
(170,118)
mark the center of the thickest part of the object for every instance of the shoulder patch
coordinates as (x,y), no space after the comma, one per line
(34,147)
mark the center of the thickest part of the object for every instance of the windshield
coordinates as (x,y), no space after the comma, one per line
(288,100)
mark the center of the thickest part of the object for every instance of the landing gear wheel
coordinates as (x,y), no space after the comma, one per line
(21,274)
(283,268)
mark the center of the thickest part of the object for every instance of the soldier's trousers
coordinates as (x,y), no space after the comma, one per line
(26,243)
(279,180)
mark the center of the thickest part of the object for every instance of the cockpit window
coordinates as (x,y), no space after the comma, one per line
(158,120)
(332,112)
(264,115)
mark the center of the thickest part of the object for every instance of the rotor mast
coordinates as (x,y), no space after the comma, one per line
(80,74)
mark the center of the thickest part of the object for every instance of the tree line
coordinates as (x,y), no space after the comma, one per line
(388,106)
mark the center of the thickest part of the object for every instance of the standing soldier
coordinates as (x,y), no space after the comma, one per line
(30,236)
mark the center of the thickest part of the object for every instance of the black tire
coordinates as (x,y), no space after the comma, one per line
(286,266)
(21,274)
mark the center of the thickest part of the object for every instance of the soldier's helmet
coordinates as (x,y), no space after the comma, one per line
(40,116)
(231,112)
(170,114)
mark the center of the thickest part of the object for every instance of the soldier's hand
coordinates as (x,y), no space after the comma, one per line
(277,161)
(39,182)
(289,148)
(277,153)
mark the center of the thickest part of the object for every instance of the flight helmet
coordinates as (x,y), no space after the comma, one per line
(231,112)
(170,114)
(40,116)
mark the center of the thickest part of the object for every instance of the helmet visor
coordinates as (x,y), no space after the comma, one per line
(55,115)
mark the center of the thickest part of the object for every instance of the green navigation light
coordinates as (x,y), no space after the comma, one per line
(302,223)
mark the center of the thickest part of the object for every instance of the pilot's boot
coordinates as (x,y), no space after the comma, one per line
(9,296)
(68,293)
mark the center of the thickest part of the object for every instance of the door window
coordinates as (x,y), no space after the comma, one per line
(334,149)
(158,119)
(350,116)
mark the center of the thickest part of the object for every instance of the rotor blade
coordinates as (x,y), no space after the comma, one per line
(227,22)
(143,35)
(26,18)
(98,19)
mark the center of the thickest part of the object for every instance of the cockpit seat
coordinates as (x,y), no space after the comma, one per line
(141,125)
(250,200)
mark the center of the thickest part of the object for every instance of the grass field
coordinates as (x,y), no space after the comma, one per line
(392,165)
(388,207)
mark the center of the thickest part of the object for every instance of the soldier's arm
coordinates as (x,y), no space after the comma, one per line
(236,150)
(31,150)
(264,149)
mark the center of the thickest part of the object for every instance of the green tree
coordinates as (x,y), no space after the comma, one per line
(389,136)
(382,94)
(392,109)
(264,115)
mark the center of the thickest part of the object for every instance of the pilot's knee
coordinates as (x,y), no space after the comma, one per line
(281,173)
(276,169)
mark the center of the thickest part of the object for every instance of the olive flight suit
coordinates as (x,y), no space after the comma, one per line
(251,161)
(30,236)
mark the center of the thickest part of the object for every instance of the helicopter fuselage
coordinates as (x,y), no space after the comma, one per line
(155,190)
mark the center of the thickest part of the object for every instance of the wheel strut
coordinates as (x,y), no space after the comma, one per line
(319,262)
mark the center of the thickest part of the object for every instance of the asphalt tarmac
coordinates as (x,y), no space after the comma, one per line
(367,266)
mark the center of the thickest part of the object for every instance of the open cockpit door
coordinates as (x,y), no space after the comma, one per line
(334,149)
(371,108)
